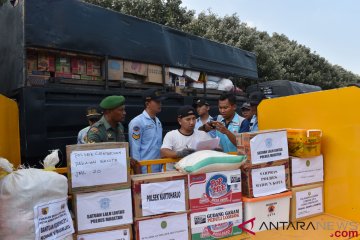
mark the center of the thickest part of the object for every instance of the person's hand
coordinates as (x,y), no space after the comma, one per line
(208,127)
(184,152)
(220,127)
(135,166)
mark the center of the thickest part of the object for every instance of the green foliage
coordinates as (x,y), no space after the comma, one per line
(277,56)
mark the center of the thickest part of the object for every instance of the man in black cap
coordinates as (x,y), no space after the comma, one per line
(179,143)
(246,111)
(202,108)
(109,127)
(93,115)
(255,99)
(145,130)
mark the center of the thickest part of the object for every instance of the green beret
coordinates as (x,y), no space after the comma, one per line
(111,102)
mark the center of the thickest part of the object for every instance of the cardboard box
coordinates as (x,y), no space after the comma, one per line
(306,170)
(216,222)
(102,210)
(67,75)
(159,193)
(214,189)
(93,68)
(46,62)
(136,68)
(31,63)
(265,179)
(78,66)
(304,142)
(99,166)
(166,226)
(263,146)
(115,69)
(63,65)
(267,210)
(123,232)
(307,201)
(194,75)
(155,74)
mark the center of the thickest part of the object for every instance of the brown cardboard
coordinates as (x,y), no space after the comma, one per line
(136,68)
(246,175)
(78,66)
(138,180)
(93,67)
(127,228)
(306,189)
(96,212)
(46,62)
(115,69)
(164,216)
(275,149)
(98,146)
(31,63)
(155,74)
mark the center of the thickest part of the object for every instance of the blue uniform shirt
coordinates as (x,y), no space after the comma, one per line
(145,139)
(237,125)
(254,124)
(199,123)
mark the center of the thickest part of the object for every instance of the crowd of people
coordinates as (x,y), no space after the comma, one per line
(145,131)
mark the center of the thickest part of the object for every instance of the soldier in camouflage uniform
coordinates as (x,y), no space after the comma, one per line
(109,127)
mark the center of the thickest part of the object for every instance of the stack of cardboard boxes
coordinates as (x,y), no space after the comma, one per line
(265,177)
(307,173)
(161,206)
(215,204)
(99,182)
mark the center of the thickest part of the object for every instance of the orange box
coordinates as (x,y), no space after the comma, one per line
(46,63)
(304,142)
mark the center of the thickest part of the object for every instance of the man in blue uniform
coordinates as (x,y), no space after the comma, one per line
(145,131)
(229,123)
(255,99)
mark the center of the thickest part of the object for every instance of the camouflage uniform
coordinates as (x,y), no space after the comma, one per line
(102,131)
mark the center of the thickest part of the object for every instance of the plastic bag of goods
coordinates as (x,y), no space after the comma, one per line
(33,203)
(209,161)
(225,85)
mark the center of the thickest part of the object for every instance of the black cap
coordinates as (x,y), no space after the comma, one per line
(255,98)
(93,113)
(202,102)
(185,111)
(153,94)
(246,105)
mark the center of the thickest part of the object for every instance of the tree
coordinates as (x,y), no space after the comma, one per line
(277,56)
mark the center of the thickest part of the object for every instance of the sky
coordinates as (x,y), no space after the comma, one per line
(330,28)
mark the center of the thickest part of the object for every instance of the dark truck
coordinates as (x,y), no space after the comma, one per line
(281,88)
(52,111)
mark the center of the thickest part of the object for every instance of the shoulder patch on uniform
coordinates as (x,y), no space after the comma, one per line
(135,136)
(136,128)
(94,130)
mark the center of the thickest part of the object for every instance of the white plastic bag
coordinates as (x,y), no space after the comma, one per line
(225,85)
(20,192)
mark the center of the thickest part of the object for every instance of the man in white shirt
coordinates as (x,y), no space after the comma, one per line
(179,143)
(93,115)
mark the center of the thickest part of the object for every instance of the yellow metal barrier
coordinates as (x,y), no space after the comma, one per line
(9,131)
(149,163)
(336,113)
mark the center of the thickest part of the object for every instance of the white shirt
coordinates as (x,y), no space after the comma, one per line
(176,141)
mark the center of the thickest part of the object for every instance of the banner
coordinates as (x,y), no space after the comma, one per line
(52,220)
(158,198)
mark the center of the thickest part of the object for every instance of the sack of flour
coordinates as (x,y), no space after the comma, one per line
(33,204)
(209,161)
